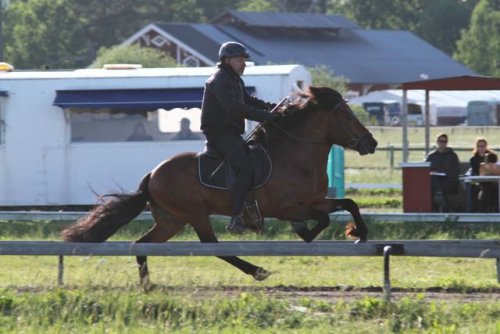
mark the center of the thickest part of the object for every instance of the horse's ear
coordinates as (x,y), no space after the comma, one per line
(318,95)
(312,95)
(313,90)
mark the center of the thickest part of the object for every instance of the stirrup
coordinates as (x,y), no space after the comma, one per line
(253,218)
(236,225)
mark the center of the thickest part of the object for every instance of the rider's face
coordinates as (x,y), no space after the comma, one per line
(237,64)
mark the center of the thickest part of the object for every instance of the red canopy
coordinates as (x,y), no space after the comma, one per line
(465,82)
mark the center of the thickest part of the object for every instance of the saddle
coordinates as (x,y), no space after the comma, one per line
(215,172)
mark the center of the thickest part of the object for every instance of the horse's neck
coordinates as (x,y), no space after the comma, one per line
(304,154)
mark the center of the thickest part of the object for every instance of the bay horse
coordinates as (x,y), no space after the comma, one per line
(298,142)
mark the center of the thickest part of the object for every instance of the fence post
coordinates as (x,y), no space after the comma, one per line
(498,270)
(387,280)
(60,271)
(391,156)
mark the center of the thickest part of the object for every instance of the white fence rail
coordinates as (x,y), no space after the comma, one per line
(339,216)
(486,249)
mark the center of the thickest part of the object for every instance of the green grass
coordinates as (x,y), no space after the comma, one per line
(122,311)
(348,271)
(357,272)
(101,294)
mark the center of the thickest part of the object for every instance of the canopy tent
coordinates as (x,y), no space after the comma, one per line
(451,83)
(443,104)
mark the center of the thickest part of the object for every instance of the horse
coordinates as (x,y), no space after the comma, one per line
(298,142)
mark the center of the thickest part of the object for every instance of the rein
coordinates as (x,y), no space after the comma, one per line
(352,142)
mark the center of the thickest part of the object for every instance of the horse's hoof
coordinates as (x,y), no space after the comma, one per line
(360,241)
(147,287)
(146,284)
(261,274)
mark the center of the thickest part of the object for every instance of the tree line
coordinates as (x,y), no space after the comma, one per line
(70,33)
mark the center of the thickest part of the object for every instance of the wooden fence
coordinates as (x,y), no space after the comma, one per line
(338,216)
(485,249)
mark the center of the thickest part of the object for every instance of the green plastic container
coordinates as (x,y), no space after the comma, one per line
(335,170)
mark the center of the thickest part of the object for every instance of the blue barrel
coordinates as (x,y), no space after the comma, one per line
(335,170)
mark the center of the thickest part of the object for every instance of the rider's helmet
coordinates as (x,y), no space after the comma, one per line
(233,49)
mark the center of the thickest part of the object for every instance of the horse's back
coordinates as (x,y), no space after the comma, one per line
(179,166)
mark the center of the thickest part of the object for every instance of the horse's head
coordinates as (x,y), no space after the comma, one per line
(341,126)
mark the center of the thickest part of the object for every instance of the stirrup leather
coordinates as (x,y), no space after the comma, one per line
(252,216)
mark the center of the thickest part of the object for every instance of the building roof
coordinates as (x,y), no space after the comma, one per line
(284,20)
(455,83)
(441,98)
(362,56)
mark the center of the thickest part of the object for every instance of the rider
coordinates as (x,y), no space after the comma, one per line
(226,105)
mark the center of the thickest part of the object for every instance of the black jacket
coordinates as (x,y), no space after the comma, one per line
(444,162)
(226,104)
(475,162)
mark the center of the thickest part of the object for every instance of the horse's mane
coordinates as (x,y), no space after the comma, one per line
(294,114)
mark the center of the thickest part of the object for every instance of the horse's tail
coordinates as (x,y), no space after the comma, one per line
(105,219)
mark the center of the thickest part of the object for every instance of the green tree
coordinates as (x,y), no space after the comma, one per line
(479,45)
(322,75)
(441,21)
(309,6)
(44,33)
(380,14)
(109,22)
(68,33)
(133,54)
(437,22)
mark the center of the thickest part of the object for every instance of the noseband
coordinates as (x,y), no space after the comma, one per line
(354,140)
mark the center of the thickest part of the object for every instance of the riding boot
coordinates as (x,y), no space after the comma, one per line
(236,225)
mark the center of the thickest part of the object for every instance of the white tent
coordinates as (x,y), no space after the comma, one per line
(442,103)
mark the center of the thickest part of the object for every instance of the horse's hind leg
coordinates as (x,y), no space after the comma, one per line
(206,233)
(307,234)
(166,226)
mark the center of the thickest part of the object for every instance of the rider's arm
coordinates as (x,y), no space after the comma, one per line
(228,95)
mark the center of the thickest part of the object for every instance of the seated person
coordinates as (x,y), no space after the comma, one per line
(185,132)
(478,153)
(140,133)
(445,168)
(488,191)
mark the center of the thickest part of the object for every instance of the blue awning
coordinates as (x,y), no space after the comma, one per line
(132,98)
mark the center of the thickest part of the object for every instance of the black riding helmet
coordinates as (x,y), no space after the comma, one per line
(233,49)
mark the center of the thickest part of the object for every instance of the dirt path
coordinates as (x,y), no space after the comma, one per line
(337,293)
(331,294)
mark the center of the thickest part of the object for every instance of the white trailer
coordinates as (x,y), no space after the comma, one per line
(63,134)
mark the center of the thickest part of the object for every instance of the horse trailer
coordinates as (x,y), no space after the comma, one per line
(67,135)
(481,113)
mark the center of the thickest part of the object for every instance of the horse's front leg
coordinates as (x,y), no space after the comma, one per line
(360,230)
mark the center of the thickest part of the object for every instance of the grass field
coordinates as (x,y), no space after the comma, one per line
(205,295)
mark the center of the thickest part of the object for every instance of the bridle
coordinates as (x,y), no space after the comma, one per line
(352,142)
